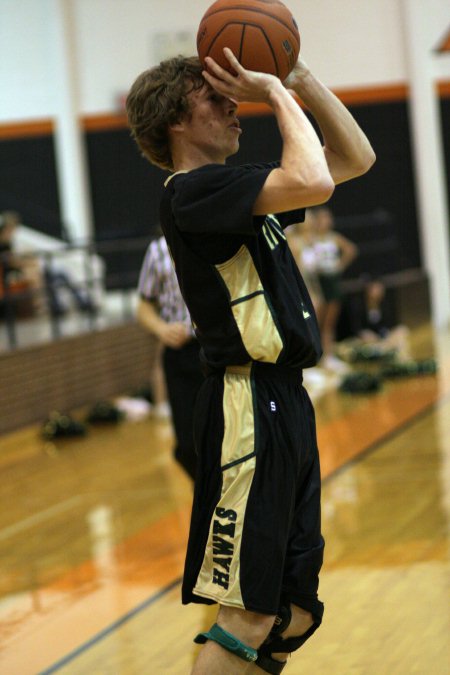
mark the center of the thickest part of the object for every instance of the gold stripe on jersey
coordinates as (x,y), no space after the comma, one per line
(270,237)
(219,577)
(272,231)
(250,309)
(273,223)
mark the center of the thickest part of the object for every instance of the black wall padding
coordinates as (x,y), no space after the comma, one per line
(390,183)
(28,182)
(125,187)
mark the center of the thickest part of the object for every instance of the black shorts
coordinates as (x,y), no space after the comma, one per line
(255,527)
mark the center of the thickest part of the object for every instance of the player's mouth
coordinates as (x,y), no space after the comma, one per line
(236,126)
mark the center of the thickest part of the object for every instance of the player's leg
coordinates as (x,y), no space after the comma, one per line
(242,521)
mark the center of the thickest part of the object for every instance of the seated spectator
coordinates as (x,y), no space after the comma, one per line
(372,328)
(46,282)
(15,267)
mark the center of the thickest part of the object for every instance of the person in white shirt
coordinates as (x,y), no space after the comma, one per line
(161,311)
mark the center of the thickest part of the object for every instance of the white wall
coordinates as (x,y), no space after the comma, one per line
(349,43)
(25,89)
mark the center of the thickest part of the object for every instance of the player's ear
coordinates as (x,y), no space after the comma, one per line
(177,126)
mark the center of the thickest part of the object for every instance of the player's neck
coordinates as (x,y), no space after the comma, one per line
(193,157)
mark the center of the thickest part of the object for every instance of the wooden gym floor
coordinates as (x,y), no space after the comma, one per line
(93,531)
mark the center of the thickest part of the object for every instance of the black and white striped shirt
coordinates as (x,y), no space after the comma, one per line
(158,284)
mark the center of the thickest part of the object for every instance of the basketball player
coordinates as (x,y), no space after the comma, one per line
(255,546)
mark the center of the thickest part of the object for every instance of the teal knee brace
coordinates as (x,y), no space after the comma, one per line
(228,642)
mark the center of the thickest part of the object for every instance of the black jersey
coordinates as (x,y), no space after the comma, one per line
(246,297)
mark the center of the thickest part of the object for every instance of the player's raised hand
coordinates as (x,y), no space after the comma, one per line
(297,75)
(246,85)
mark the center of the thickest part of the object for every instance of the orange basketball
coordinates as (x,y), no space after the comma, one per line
(262,34)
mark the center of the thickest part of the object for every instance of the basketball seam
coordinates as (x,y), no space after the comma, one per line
(241,46)
(256,11)
(216,37)
(275,60)
(244,25)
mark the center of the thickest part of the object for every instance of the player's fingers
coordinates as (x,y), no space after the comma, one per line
(218,71)
(218,85)
(233,61)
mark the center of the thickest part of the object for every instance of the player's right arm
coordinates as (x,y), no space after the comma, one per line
(303,178)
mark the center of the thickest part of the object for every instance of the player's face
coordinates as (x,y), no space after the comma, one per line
(213,126)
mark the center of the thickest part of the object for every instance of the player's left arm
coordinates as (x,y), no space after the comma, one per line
(347,149)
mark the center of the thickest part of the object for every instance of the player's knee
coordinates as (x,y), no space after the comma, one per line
(250,627)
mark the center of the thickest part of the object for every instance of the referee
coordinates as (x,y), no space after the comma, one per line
(161,311)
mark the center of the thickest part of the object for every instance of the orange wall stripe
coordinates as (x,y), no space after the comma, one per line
(361,96)
(444,88)
(105,122)
(26,129)
(389,93)
(369,95)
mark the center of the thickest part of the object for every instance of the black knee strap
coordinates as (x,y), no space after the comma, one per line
(274,643)
(280,645)
(265,660)
(268,664)
(282,619)
(290,644)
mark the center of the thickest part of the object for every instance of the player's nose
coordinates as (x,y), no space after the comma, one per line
(231,105)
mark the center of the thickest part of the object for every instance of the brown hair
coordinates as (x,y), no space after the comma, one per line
(157,99)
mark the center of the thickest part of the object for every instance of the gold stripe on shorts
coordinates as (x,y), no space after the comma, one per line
(219,577)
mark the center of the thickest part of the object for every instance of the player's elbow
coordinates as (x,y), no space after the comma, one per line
(320,188)
(314,181)
(366,160)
